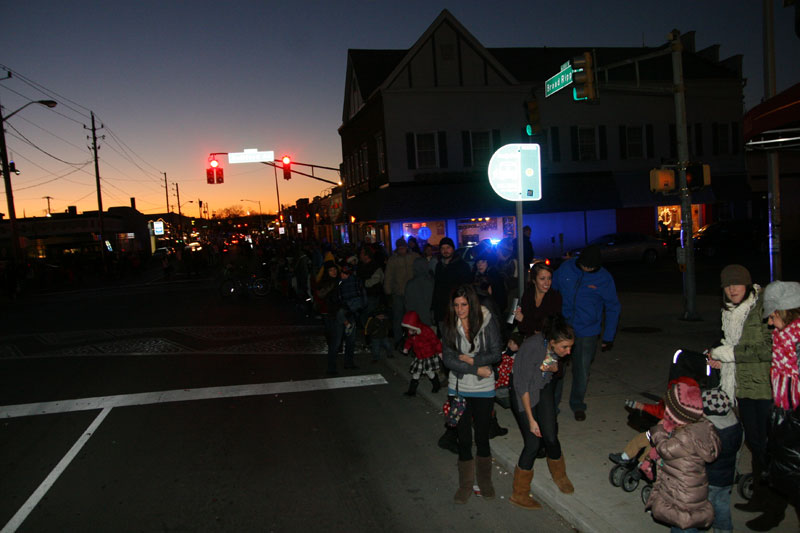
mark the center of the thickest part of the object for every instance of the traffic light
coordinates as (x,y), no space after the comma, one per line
(698,175)
(534,125)
(287,167)
(214,173)
(583,77)
(662,180)
(220,175)
(210,176)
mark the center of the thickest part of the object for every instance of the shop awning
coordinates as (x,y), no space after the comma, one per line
(775,123)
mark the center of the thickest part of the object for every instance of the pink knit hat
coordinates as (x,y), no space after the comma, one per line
(683,404)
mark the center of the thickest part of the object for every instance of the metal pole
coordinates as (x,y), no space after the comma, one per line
(180,217)
(278,194)
(99,195)
(260,217)
(773,171)
(521,267)
(689,281)
(166,189)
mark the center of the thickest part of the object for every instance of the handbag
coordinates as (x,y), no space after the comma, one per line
(783,449)
(456,407)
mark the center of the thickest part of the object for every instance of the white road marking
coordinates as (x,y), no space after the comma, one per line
(183,395)
(106,403)
(51,478)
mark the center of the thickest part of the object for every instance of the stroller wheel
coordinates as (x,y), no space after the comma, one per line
(745,486)
(631,480)
(646,490)
(616,475)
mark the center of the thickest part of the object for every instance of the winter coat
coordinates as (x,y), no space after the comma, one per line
(680,493)
(326,295)
(492,278)
(722,471)
(747,342)
(399,269)
(532,316)
(371,274)
(586,296)
(419,291)
(528,375)
(448,276)
(421,338)
(488,347)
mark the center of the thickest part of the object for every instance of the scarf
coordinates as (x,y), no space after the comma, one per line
(784,373)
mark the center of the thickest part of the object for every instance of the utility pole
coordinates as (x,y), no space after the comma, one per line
(687,245)
(48,203)
(166,189)
(773,171)
(200,207)
(99,194)
(178,196)
(278,193)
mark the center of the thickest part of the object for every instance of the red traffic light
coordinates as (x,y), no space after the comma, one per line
(286,160)
(210,176)
(287,167)
(214,163)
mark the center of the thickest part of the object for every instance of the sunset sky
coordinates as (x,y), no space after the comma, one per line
(172,81)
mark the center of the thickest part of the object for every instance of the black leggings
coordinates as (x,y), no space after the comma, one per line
(544,412)
(479,412)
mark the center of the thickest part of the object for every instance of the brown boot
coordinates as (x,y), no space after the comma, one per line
(483,466)
(522,487)
(466,478)
(558,470)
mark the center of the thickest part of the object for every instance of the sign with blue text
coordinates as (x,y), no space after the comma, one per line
(515,172)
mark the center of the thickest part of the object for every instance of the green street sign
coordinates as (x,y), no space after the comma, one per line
(559,81)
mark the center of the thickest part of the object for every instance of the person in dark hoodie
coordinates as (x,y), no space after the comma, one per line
(419,291)
(451,272)
(589,296)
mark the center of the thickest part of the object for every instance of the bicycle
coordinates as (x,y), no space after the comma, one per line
(243,287)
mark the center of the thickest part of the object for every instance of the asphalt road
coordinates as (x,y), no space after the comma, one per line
(243,432)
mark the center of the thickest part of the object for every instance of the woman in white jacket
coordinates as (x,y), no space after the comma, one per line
(471,344)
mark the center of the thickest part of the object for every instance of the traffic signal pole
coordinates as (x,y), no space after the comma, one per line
(687,245)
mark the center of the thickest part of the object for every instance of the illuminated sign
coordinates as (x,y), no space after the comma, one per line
(515,172)
(251,155)
(158,227)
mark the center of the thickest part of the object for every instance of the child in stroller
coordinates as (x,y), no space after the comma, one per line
(637,461)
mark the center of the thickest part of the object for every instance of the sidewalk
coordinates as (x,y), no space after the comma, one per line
(649,334)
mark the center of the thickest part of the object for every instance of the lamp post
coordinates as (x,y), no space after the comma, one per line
(12,216)
(260,213)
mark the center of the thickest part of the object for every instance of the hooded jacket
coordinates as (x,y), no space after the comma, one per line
(398,271)
(585,296)
(421,338)
(448,276)
(419,291)
(680,493)
(488,348)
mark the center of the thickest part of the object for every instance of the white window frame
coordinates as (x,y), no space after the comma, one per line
(487,150)
(420,165)
(585,151)
(641,145)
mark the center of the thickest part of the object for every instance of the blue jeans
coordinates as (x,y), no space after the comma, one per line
(378,345)
(335,330)
(582,356)
(720,498)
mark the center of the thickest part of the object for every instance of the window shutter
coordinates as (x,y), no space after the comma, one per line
(555,144)
(623,142)
(466,144)
(648,132)
(698,139)
(601,137)
(442,149)
(734,137)
(573,136)
(411,151)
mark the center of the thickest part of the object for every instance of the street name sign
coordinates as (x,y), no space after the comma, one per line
(251,155)
(559,81)
(515,172)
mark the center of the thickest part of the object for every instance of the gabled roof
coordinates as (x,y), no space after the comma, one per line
(372,67)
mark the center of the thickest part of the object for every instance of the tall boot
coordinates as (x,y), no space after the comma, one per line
(436,384)
(412,387)
(483,466)
(558,470)
(521,490)
(774,512)
(449,441)
(466,478)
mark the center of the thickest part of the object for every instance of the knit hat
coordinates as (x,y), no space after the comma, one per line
(448,241)
(735,275)
(717,408)
(400,242)
(781,295)
(590,257)
(683,404)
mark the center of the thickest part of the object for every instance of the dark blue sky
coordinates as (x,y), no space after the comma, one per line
(175,80)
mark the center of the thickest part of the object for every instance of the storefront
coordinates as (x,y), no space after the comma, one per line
(428,232)
(471,231)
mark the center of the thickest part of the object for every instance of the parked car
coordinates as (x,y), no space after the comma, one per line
(727,238)
(161,253)
(629,247)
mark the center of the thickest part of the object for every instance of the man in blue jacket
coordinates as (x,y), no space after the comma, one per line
(588,294)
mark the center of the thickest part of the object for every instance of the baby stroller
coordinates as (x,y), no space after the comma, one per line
(686,365)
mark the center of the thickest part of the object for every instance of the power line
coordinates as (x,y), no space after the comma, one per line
(31,100)
(22,137)
(47,92)
(51,133)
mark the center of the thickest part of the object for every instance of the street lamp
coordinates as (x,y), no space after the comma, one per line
(260,213)
(12,215)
